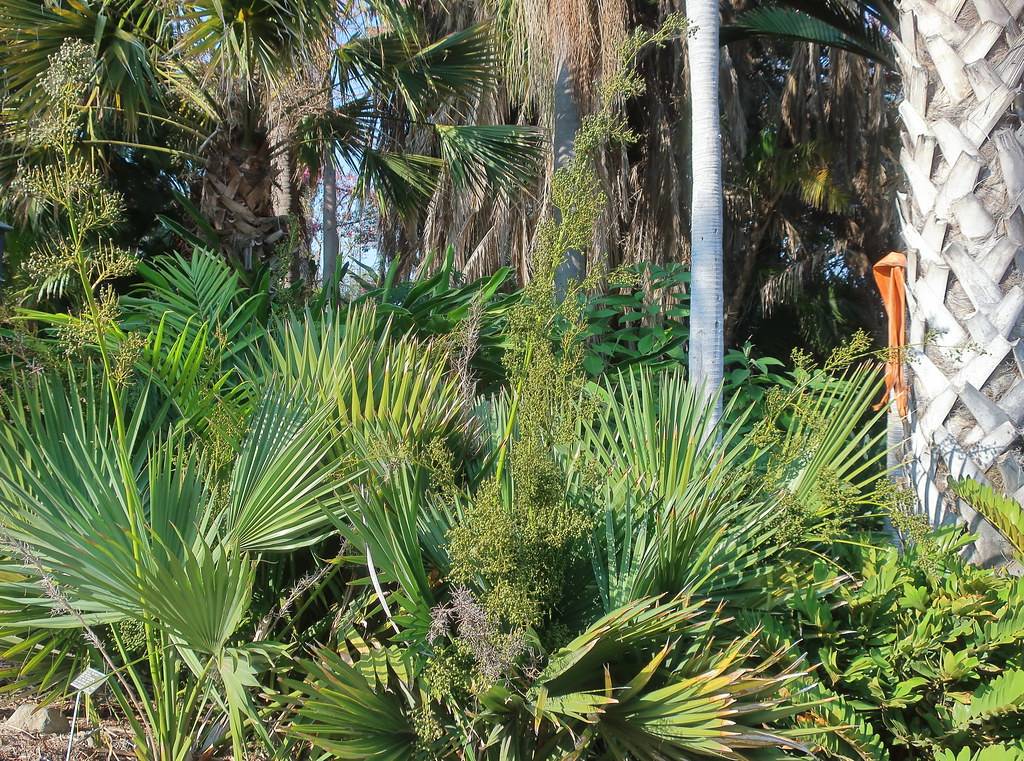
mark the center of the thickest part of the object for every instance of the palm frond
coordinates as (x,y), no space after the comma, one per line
(502,157)
(401,181)
(199,598)
(457,67)
(719,713)
(840,423)
(350,364)
(623,681)
(127,39)
(284,485)
(400,532)
(1003,512)
(852,27)
(182,370)
(340,712)
(253,40)
(671,476)
(187,295)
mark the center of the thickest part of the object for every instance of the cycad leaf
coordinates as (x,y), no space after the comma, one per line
(1002,695)
(1003,512)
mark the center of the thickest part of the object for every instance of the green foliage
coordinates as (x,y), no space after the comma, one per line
(804,168)
(340,712)
(188,294)
(749,377)
(474,315)
(998,752)
(854,26)
(424,78)
(170,80)
(519,551)
(588,574)
(923,650)
(618,677)
(1003,512)
(407,520)
(519,533)
(641,320)
(643,323)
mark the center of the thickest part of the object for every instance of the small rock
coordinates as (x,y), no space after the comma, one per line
(29,717)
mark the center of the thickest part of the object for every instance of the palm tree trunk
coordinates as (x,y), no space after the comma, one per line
(283,159)
(237,191)
(963,156)
(237,196)
(706,300)
(566,124)
(329,262)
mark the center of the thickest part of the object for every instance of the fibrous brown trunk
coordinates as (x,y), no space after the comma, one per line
(238,196)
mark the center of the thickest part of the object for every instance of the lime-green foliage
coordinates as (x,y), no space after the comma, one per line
(520,551)
(1003,512)
(518,535)
(999,752)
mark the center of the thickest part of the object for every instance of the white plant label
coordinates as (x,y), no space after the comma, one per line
(89,681)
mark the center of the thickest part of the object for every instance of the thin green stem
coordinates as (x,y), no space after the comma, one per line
(136,518)
(506,438)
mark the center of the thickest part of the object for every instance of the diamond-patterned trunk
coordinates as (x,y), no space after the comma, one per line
(963,154)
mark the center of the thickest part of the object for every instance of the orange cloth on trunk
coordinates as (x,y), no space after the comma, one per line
(890,277)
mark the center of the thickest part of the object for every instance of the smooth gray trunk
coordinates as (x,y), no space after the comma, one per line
(573,266)
(281,159)
(707,302)
(329,260)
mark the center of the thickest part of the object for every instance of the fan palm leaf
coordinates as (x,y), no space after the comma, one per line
(350,364)
(673,477)
(256,40)
(149,544)
(691,507)
(127,37)
(341,713)
(283,486)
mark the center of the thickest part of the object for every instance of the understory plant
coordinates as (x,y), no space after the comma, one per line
(918,654)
